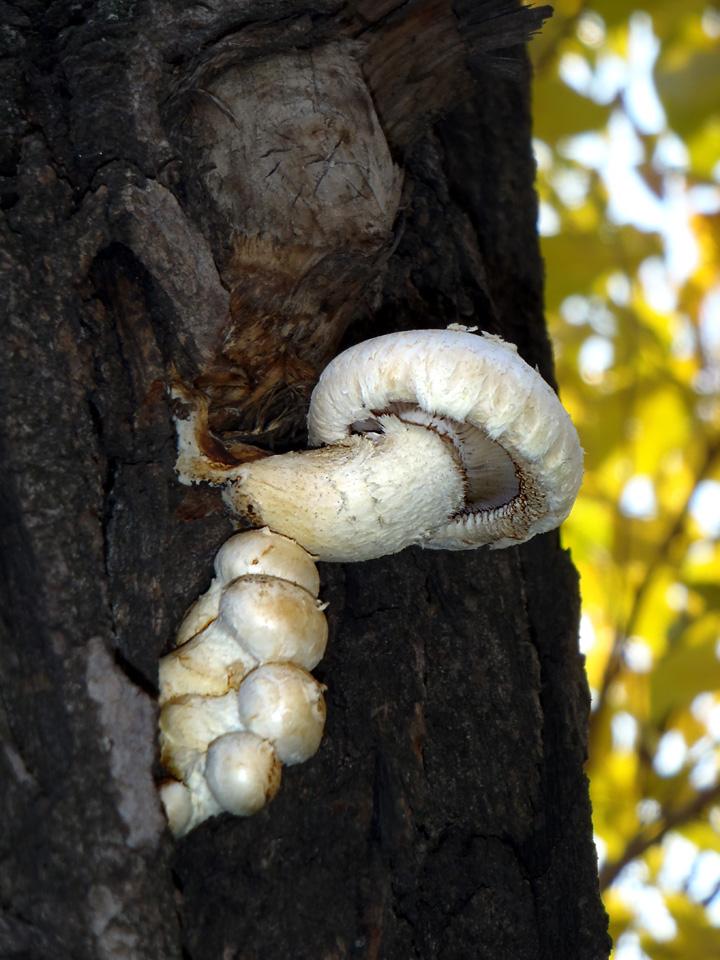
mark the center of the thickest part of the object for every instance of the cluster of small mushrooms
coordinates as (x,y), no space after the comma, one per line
(236,696)
(439,438)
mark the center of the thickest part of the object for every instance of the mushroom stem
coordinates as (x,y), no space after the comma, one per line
(366,496)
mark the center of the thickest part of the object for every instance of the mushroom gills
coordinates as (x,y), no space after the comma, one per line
(490,474)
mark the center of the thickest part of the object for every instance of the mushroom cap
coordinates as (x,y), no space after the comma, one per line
(265,552)
(274,619)
(283,703)
(243,772)
(177,801)
(212,663)
(521,453)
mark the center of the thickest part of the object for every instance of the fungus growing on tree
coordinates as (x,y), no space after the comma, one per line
(431,437)
(236,698)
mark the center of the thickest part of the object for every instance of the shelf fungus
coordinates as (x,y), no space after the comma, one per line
(237,699)
(433,437)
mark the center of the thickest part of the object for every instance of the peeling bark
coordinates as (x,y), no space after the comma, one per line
(446,814)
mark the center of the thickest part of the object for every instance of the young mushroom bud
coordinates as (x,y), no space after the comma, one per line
(274,619)
(254,552)
(283,703)
(267,553)
(177,801)
(243,772)
(432,437)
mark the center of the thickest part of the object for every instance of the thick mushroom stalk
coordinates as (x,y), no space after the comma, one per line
(364,496)
(432,437)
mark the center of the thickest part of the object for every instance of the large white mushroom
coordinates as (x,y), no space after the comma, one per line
(434,437)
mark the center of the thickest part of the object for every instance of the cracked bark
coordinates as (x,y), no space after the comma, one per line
(446,814)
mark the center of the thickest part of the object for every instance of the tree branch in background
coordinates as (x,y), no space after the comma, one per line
(654,833)
(614,664)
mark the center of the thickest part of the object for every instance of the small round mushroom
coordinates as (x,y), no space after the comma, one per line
(191,801)
(243,772)
(263,552)
(283,703)
(432,437)
(274,619)
(253,552)
(177,801)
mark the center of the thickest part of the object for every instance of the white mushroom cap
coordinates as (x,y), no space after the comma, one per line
(243,772)
(189,725)
(283,703)
(176,800)
(274,619)
(212,663)
(520,451)
(264,552)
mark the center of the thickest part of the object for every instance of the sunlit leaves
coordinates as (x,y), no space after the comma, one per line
(627,127)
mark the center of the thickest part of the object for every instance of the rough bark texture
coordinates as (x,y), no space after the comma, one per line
(446,814)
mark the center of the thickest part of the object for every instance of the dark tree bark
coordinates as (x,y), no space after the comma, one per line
(446,814)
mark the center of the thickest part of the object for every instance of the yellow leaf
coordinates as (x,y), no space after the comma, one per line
(690,667)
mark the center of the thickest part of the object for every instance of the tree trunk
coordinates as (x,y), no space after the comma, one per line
(177,207)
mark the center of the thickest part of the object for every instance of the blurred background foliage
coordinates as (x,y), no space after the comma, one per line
(627,140)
